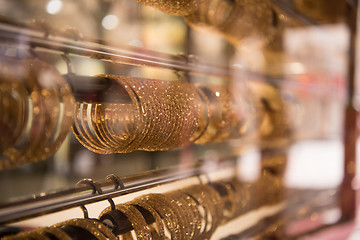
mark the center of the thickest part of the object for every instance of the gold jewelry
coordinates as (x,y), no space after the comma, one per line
(210,200)
(84,224)
(82,136)
(160,233)
(36,103)
(35,234)
(173,7)
(166,213)
(56,232)
(137,220)
(191,217)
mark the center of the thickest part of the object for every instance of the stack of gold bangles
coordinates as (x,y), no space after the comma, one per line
(36,106)
(159,115)
(194,212)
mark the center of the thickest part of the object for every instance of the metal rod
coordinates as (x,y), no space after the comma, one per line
(45,203)
(12,33)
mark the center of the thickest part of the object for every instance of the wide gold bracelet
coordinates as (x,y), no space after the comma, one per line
(136,219)
(84,224)
(160,231)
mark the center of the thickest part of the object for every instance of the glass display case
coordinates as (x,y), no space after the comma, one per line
(152,119)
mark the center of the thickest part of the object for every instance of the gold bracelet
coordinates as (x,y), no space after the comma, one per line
(34,234)
(166,213)
(81,134)
(136,219)
(189,210)
(84,224)
(158,221)
(196,213)
(56,232)
(136,121)
(210,200)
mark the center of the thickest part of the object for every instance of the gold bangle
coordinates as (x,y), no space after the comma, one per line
(189,211)
(56,232)
(137,220)
(126,145)
(34,234)
(102,228)
(210,200)
(89,129)
(171,221)
(195,210)
(92,122)
(159,223)
(84,224)
(82,136)
(39,108)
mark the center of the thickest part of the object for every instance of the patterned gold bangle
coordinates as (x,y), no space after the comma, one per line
(195,211)
(160,231)
(34,234)
(137,220)
(103,229)
(56,232)
(84,224)
(189,210)
(210,200)
(171,221)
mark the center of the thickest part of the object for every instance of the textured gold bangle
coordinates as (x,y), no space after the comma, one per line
(34,234)
(204,115)
(171,221)
(191,217)
(210,200)
(84,224)
(56,232)
(37,106)
(203,210)
(159,223)
(137,220)
(99,225)
(196,221)
(173,7)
